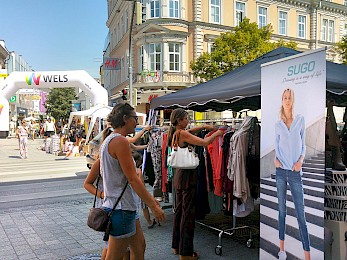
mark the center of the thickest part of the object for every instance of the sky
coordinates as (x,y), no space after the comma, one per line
(56,34)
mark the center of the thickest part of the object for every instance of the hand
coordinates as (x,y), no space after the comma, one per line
(219,132)
(158,213)
(147,128)
(278,164)
(209,127)
(297,166)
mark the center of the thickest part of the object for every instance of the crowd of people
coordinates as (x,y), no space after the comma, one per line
(46,128)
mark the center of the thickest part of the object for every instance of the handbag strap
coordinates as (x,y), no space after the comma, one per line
(96,192)
(121,195)
(175,139)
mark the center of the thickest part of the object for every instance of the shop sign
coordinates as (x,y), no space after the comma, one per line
(111,64)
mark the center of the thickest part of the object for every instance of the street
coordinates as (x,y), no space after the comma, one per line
(43,211)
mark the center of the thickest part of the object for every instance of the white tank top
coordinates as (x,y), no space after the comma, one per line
(114,180)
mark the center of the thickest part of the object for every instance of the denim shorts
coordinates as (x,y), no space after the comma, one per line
(123,223)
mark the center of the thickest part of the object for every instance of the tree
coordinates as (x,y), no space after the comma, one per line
(58,102)
(342,49)
(235,49)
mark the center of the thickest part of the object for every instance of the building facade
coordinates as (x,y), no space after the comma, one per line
(168,34)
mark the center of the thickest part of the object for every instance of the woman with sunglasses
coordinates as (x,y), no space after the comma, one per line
(117,169)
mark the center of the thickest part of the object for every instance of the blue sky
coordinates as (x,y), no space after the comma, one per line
(56,34)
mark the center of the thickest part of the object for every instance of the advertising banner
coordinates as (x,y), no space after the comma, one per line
(293,98)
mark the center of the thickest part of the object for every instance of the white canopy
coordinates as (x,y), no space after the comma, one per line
(98,112)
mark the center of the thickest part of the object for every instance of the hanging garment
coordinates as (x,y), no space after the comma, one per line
(215,151)
(202,205)
(164,169)
(237,161)
(154,146)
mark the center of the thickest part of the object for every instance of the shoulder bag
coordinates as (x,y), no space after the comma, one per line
(98,218)
(183,158)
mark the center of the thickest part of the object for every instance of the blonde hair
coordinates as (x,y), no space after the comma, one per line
(282,114)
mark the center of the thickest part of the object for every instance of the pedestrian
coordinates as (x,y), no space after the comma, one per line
(185,184)
(290,151)
(22,134)
(12,127)
(32,130)
(49,128)
(142,206)
(119,172)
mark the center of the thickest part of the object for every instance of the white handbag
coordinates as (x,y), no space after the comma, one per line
(183,158)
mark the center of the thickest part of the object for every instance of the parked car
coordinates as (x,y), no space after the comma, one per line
(94,147)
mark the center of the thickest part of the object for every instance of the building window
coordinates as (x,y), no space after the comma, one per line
(174,56)
(345,32)
(262,16)
(155,8)
(173,8)
(282,23)
(324,29)
(126,21)
(119,32)
(211,47)
(155,56)
(331,31)
(239,12)
(122,31)
(302,26)
(215,11)
(345,2)
(141,59)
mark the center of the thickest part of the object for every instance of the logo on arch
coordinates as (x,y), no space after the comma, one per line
(33,77)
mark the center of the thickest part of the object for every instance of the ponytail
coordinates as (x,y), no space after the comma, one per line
(170,134)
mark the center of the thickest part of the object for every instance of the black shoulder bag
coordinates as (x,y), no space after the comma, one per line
(98,218)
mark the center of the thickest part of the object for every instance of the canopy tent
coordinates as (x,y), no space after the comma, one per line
(97,112)
(240,88)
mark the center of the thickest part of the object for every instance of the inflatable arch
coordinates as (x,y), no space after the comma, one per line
(46,79)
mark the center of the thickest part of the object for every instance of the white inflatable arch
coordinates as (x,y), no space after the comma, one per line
(46,79)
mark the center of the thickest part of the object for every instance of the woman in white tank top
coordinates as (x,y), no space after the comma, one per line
(118,168)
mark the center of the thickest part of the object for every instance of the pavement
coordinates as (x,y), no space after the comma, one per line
(58,230)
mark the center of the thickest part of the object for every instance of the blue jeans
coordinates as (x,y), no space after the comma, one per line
(295,183)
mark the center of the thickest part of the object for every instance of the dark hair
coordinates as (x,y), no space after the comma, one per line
(138,159)
(178,113)
(118,112)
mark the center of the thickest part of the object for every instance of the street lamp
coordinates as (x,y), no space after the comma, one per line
(130,68)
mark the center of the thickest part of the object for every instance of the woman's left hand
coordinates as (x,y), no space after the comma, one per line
(209,127)
(297,166)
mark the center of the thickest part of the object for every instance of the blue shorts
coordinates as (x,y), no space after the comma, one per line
(123,223)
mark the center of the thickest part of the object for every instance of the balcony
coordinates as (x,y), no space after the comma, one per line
(164,78)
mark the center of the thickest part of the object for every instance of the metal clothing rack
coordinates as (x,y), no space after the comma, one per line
(229,231)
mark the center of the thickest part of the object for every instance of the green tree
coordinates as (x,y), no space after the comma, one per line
(58,102)
(236,48)
(342,49)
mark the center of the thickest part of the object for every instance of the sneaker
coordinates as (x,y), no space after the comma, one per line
(282,255)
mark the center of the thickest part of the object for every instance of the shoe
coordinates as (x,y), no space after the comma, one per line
(153,224)
(282,255)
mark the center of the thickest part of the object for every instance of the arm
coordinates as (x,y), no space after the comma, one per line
(201,127)
(138,147)
(277,141)
(91,178)
(297,166)
(187,137)
(119,148)
(139,134)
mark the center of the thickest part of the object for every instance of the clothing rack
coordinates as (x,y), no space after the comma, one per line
(229,231)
